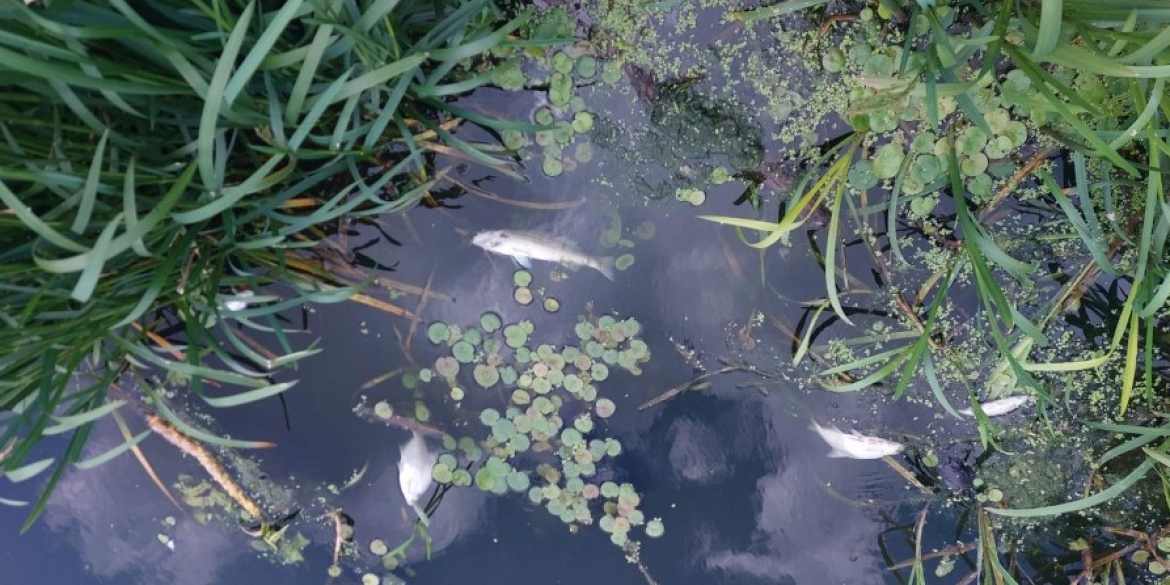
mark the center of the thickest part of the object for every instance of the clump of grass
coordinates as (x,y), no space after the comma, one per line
(162,165)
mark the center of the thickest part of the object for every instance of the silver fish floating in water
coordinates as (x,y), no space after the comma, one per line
(999,407)
(414,468)
(526,246)
(855,445)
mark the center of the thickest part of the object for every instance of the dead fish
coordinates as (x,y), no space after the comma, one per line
(855,445)
(527,246)
(414,468)
(999,407)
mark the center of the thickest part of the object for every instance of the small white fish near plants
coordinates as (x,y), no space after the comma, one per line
(855,445)
(525,246)
(999,407)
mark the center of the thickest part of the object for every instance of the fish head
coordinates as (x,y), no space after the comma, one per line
(489,240)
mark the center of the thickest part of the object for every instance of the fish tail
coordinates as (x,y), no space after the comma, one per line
(604,265)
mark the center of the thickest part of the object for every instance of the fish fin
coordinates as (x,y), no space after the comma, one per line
(605,265)
(523,261)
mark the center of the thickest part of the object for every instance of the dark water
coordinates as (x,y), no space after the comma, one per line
(741,483)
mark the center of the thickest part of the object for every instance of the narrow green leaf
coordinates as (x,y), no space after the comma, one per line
(68,423)
(29,471)
(112,453)
(249,396)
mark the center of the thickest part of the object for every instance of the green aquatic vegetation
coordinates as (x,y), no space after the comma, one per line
(541,442)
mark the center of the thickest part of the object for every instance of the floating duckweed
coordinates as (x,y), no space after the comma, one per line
(489,416)
(540,369)
(518,481)
(383,410)
(541,386)
(456,393)
(484,479)
(573,383)
(441,474)
(584,330)
(590,491)
(586,66)
(583,423)
(551,166)
(490,321)
(521,277)
(654,528)
(389,562)
(552,305)
(438,332)
(543,116)
(624,261)
(425,375)
(508,375)
(556,377)
(334,571)
(486,376)
(599,372)
(606,523)
(562,62)
(536,495)
(974,164)
(409,380)
(461,477)
(582,122)
(543,404)
(605,408)
(560,89)
(503,429)
(571,437)
(521,397)
(523,295)
(473,336)
(523,423)
(638,348)
(421,412)
(594,349)
(370,579)
(994,495)
(887,160)
(613,447)
(610,356)
(463,351)
(513,139)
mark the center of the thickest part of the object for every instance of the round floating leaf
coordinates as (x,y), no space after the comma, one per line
(612,72)
(586,66)
(543,116)
(378,547)
(508,76)
(638,348)
(560,89)
(624,261)
(573,383)
(833,60)
(486,376)
(974,164)
(887,160)
(513,139)
(461,477)
(518,481)
(552,305)
(523,295)
(383,410)
(523,423)
(490,322)
(541,386)
(508,375)
(589,393)
(590,491)
(425,375)
(605,408)
(489,416)
(971,141)
(421,412)
(543,404)
(599,372)
(456,393)
(522,277)
(582,122)
(441,473)
(553,167)
(925,168)
(609,489)
(536,495)
(438,332)
(521,397)
(923,206)
(571,437)
(584,330)
(583,423)
(562,62)
(473,336)
(463,351)
(484,479)
(613,448)
(654,528)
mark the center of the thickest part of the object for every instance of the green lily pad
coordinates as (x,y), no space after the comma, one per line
(490,322)
(438,332)
(441,473)
(624,262)
(562,62)
(486,376)
(586,67)
(583,152)
(605,408)
(447,367)
(551,166)
(582,122)
(518,481)
(463,351)
(551,305)
(489,416)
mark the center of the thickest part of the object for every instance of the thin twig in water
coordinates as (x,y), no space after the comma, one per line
(675,391)
(418,310)
(146,466)
(905,473)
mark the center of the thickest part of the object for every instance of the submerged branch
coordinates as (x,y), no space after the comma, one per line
(679,389)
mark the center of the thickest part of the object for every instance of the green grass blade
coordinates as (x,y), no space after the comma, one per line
(68,423)
(112,453)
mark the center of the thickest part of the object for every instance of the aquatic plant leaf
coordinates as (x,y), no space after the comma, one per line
(1103,496)
(249,396)
(113,453)
(26,472)
(68,423)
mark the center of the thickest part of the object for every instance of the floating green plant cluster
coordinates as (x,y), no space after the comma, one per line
(617,236)
(545,441)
